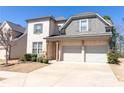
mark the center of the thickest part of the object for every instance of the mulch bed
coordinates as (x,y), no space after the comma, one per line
(22,67)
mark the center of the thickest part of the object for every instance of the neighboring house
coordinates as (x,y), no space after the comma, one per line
(19,38)
(85,37)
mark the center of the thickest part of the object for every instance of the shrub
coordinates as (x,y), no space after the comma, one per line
(22,58)
(46,61)
(40,59)
(34,57)
(27,57)
(112,57)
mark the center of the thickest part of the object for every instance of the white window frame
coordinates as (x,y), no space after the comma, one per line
(80,24)
(38,32)
(37,49)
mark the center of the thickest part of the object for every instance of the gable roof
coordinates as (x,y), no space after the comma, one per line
(40,18)
(60,19)
(85,15)
(15,27)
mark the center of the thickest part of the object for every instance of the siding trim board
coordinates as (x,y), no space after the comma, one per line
(76,37)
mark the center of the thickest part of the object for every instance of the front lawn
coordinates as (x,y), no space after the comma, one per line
(118,69)
(22,67)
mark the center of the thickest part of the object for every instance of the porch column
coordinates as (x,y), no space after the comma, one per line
(57,51)
(47,54)
(83,51)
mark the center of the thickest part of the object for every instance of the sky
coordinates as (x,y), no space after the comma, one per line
(18,14)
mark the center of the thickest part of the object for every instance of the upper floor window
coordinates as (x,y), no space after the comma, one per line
(83,25)
(38,28)
(37,47)
(108,29)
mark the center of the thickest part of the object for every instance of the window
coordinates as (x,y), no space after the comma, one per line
(37,47)
(108,29)
(83,25)
(38,28)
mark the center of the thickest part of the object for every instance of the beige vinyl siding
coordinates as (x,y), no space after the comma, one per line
(95,26)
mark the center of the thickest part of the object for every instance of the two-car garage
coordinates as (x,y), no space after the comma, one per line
(85,53)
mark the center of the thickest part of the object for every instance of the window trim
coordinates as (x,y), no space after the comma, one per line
(37,47)
(108,28)
(35,32)
(87,24)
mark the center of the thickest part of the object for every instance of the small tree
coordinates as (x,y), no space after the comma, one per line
(107,17)
(120,39)
(6,42)
(114,34)
(120,44)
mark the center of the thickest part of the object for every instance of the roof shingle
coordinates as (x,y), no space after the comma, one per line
(16,27)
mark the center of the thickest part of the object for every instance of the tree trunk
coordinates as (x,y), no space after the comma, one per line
(9,51)
(6,56)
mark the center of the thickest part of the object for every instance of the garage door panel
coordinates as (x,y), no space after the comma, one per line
(96,53)
(72,53)
(96,49)
(71,49)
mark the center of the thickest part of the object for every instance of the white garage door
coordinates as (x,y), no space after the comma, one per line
(96,54)
(72,53)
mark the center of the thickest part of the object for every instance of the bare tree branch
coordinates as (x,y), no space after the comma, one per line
(6,41)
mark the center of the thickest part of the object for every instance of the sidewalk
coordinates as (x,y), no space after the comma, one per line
(12,79)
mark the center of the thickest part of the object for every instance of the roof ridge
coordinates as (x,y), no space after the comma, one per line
(14,23)
(14,26)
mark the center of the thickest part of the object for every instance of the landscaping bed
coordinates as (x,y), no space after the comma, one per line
(22,67)
(118,69)
(27,63)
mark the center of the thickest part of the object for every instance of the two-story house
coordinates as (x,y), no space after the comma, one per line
(85,37)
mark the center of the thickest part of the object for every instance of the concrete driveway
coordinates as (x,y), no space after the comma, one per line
(72,74)
(67,74)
